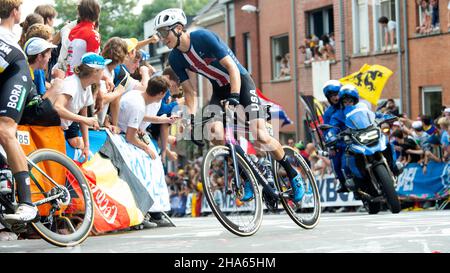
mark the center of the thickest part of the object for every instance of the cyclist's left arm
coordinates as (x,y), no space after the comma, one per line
(233,71)
(190,96)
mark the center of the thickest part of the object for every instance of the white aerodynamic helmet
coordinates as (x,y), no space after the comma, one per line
(170,17)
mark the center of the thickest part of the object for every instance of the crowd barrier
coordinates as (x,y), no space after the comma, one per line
(125,182)
(328,198)
(412,184)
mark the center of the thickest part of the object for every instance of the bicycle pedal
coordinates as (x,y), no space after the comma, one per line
(19,228)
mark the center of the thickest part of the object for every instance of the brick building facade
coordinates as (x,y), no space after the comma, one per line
(261,39)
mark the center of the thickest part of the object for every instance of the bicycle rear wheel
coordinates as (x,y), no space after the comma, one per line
(66,210)
(305,213)
(224,196)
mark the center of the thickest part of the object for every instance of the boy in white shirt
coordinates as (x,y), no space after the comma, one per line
(76,96)
(135,106)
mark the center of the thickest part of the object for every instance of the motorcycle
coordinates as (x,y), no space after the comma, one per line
(369,158)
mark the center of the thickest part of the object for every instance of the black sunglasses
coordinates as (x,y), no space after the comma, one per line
(164,32)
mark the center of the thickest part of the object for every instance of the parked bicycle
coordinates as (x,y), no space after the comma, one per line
(226,167)
(61,193)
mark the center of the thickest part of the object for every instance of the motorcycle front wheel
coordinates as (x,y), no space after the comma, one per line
(387,184)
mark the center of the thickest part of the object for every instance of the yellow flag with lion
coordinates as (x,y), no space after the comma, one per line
(370,81)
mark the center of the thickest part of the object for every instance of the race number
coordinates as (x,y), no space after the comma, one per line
(23,137)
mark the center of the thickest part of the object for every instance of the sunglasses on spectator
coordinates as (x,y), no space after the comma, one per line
(332,94)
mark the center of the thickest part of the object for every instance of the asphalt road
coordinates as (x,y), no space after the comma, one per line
(410,232)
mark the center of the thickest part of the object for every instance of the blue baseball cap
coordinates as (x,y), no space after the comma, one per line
(94,60)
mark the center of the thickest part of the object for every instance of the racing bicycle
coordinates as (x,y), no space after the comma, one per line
(61,193)
(225,168)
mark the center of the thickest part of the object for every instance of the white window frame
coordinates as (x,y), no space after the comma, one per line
(429,89)
(275,52)
(326,23)
(378,33)
(359,28)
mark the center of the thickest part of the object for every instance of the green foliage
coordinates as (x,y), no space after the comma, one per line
(117,19)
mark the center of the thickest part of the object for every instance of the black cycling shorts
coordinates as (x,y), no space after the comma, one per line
(248,97)
(15,85)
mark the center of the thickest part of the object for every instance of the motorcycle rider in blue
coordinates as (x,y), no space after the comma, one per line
(331,90)
(349,101)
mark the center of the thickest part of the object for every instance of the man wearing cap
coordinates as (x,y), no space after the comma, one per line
(39,108)
(76,96)
(38,52)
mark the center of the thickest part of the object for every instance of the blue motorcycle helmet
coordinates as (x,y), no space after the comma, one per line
(331,87)
(348,91)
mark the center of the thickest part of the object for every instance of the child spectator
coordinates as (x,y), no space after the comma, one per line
(30,20)
(116,50)
(84,37)
(76,96)
(48,12)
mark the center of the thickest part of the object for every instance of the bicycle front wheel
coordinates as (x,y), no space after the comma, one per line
(305,213)
(66,209)
(224,194)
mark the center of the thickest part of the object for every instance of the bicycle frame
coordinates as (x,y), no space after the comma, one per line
(8,204)
(232,144)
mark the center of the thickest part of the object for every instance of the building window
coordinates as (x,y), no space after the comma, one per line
(280,57)
(247,52)
(428,16)
(319,44)
(360,26)
(385,26)
(432,101)
(320,22)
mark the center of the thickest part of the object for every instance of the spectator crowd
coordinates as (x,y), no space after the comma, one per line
(81,83)
(429,15)
(319,49)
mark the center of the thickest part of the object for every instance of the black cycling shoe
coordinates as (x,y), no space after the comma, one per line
(341,188)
